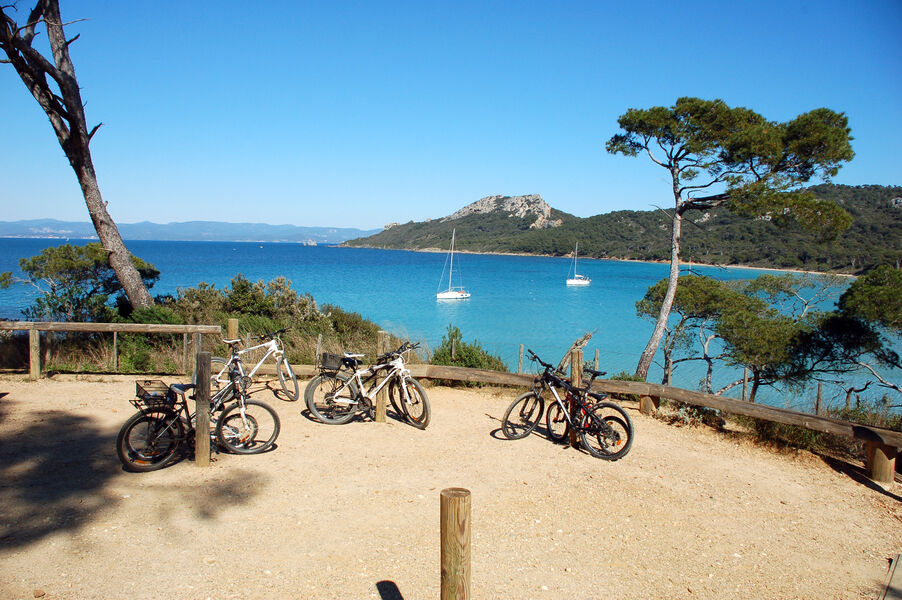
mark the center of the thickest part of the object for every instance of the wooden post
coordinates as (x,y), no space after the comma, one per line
(34,354)
(116,351)
(198,343)
(596,360)
(745,381)
(455,540)
(881,463)
(232,329)
(520,360)
(648,405)
(382,341)
(319,349)
(185,354)
(576,379)
(202,410)
(453,348)
(819,398)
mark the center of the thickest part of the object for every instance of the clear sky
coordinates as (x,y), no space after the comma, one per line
(361,113)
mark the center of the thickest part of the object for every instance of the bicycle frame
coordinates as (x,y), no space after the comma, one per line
(396,370)
(272,346)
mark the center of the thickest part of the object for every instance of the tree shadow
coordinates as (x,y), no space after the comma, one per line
(53,470)
(56,468)
(388,590)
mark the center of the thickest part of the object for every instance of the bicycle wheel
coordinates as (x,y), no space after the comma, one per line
(606,431)
(556,422)
(396,398)
(415,404)
(331,398)
(248,429)
(149,440)
(522,416)
(288,379)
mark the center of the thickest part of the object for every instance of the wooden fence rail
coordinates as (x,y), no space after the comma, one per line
(882,444)
(34,329)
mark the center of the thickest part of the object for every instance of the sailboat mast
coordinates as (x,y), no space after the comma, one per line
(451,270)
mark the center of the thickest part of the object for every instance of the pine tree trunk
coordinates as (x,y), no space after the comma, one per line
(652,347)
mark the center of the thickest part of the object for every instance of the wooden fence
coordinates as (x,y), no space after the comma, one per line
(35,328)
(882,444)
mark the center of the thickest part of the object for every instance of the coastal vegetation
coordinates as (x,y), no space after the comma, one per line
(716,236)
(775,327)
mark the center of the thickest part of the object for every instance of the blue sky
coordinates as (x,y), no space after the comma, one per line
(361,113)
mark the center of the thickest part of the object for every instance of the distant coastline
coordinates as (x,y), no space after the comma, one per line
(626,260)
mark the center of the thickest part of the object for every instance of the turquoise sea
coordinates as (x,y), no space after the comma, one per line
(515,299)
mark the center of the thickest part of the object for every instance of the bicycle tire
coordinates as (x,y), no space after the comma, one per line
(527,415)
(320,398)
(611,441)
(288,380)
(416,410)
(251,432)
(396,399)
(556,422)
(150,440)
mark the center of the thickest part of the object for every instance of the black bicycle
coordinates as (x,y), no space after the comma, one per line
(164,427)
(604,428)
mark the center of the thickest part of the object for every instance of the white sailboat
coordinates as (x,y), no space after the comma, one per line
(452,293)
(577,279)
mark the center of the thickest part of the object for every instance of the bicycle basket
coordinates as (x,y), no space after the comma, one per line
(330,362)
(152,393)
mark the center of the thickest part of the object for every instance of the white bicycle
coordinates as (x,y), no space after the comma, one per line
(273,346)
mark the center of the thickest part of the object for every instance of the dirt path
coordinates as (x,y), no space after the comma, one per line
(353,511)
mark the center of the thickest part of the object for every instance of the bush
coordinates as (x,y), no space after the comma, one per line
(455,352)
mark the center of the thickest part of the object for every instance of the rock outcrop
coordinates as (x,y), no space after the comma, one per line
(515,206)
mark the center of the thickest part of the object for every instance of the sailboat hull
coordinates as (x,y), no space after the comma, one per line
(579,280)
(452,295)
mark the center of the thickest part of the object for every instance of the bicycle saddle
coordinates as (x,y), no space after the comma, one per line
(595,373)
(230,342)
(181,388)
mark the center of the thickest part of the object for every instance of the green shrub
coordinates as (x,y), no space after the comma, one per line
(455,352)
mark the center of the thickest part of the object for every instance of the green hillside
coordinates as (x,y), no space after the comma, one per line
(718,237)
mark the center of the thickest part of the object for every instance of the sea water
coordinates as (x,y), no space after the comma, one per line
(514,299)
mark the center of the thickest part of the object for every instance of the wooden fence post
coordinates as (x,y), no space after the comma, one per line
(596,360)
(576,379)
(455,540)
(520,360)
(232,329)
(34,354)
(382,343)
(202,410)
(185,354)
(319,349)
(648,405)
(116,351)
(745,382)
(881,463)
(198,342)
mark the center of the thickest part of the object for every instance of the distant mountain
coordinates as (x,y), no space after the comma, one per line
(209,231)
(487,225)
(527,224)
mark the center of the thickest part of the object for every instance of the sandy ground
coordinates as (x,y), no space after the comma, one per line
(352,511)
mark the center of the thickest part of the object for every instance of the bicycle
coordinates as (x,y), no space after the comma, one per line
(164,427)
(273,345)
(334,397)
(604,428)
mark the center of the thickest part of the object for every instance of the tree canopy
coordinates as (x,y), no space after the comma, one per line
(722,156)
